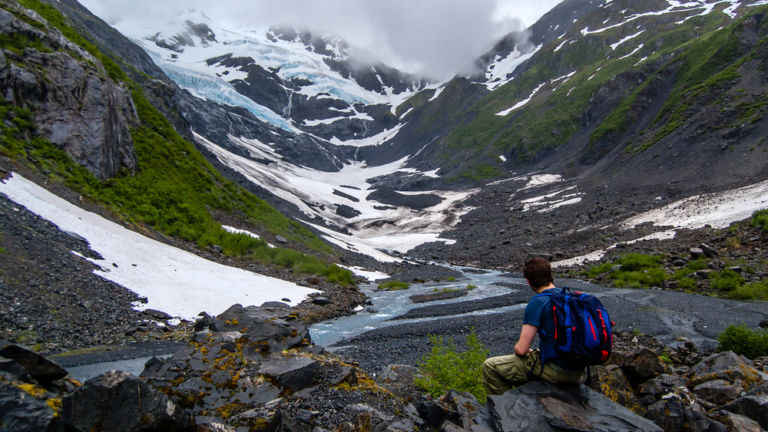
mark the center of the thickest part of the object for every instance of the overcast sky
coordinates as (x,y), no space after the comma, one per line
(438,38)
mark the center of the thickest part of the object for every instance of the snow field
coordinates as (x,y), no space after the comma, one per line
(174,281)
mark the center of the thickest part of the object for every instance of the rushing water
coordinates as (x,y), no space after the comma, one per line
(389,304)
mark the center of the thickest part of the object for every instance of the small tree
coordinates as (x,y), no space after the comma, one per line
(446,368)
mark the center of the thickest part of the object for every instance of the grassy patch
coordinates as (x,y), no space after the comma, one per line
(759,219)
(726,280)
(394,285)
(446,368)
(744,341)
(645,271)
(750,291)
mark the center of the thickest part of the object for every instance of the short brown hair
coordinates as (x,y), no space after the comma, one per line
(538,272)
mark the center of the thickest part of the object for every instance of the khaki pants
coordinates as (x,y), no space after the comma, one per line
(505,372)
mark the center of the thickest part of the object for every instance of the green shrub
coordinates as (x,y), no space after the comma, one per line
(394,285)
(635,262)
(726,280)
(339,275)
(686,283)
(597,270)
(470,287)
(750,291)
(760,220)
(446,368)
(638,279)
(745,341)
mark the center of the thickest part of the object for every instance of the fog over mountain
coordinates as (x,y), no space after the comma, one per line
(430,37)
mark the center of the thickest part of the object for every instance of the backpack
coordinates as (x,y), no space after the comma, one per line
(583,334)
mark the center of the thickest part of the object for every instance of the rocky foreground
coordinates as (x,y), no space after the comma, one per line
(255,368)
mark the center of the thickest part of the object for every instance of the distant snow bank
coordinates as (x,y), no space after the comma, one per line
(174,281)
(717,210)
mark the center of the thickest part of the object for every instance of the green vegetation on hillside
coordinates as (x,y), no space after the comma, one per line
(759,219)
(696,56)
(174,189)
(446,368)
(743,340)
(646,271)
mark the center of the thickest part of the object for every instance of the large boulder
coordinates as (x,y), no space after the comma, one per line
(640,366)
(292,373)
(611,381)
(675,414)
(268,329)
(25,408)
(664,384)
(120,402)
(754,407)
(37,366)
(465,413)
(541,407)
(727,366)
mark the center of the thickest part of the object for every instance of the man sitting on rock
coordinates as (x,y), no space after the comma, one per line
(505,372)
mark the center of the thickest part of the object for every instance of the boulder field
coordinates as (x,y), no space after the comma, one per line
(255,368)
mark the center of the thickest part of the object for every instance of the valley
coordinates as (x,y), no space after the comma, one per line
(161,178)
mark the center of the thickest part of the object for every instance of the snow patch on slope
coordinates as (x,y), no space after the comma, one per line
(315,193)
(717,210)
(174,281)
(497,72)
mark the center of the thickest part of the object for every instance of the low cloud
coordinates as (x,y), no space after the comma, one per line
(436,38)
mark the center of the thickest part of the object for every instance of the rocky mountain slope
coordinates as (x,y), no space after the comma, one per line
(629,101)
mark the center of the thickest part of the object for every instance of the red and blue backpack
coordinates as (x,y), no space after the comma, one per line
(583,334)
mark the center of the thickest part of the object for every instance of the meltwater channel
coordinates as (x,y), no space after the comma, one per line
(391,304)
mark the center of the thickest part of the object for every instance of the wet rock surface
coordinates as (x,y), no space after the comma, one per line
(538,406)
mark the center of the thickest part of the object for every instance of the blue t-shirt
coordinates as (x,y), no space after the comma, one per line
(538,313)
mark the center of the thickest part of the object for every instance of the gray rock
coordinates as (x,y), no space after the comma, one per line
(640,366)
(268,329)
(156,314)
(294,373)
(708,250)
(718,391)
(661,385)
(118,401)
(609,379)
(399,379)
(673,415)
(736,422)
(321,300)
(696,252)
(466,413)
(20,411)
(37,366)
(727,366)
(539,406)
(281,239)
(751,406)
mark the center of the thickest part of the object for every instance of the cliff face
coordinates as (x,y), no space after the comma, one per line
(75,104)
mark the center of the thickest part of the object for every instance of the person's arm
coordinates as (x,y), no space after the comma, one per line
(523,345)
